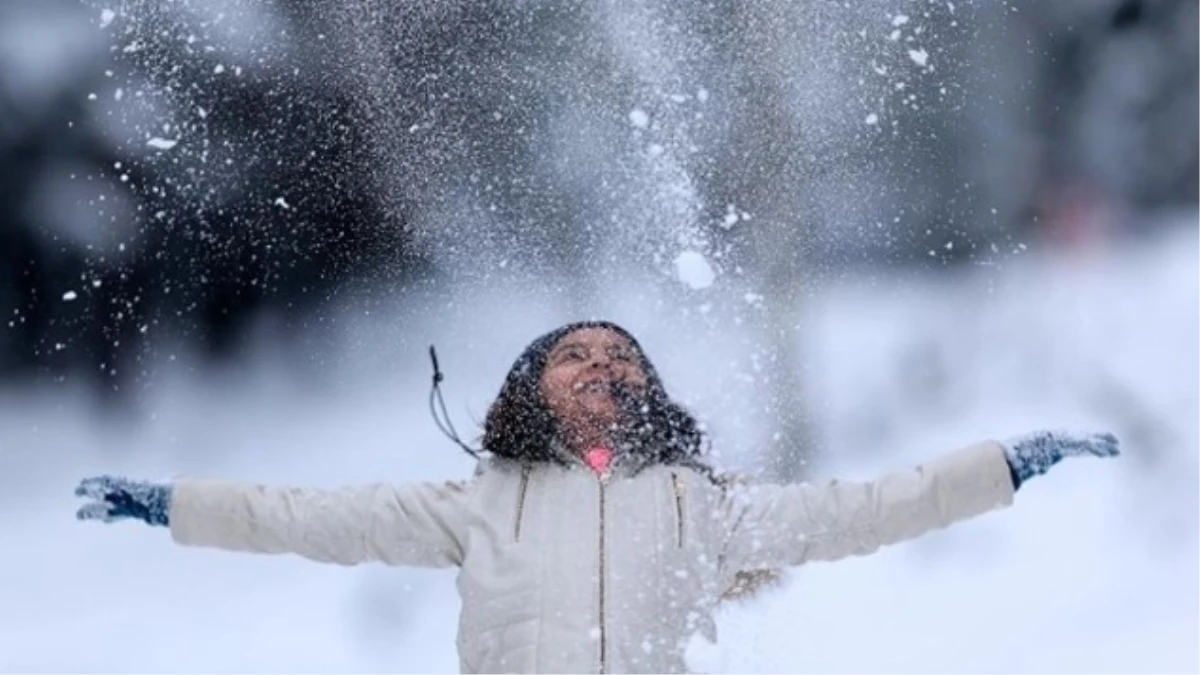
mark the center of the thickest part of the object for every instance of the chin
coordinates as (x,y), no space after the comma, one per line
(601,417)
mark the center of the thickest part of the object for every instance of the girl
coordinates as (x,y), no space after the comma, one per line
(593,536)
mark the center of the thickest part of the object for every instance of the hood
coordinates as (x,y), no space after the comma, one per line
(520,427)
(530,364)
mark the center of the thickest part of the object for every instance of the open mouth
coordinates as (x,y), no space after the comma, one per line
(594,387)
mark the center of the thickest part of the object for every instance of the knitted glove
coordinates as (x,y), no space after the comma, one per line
(1033,454)
(114,498)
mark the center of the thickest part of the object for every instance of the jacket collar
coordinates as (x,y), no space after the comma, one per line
(624,463)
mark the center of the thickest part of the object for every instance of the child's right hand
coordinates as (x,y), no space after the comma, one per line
(114,498)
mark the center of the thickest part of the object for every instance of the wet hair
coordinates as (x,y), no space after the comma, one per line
(520,426)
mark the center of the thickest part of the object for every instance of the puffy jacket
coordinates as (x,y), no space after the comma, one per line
(562,570)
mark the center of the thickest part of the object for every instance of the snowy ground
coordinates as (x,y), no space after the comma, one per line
(1093,569)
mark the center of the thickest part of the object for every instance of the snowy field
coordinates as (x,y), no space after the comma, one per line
(1093,569)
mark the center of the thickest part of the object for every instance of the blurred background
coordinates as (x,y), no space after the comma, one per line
(851,235)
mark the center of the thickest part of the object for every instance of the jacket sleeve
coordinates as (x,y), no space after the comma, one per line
(420,524)
(770,526)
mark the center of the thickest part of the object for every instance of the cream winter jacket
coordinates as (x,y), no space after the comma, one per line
(563,571)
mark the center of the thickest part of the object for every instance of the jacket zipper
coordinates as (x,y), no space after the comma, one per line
(680,489)
(521,502)
(603,637)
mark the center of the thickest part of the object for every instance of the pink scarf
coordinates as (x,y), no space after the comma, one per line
(598,458)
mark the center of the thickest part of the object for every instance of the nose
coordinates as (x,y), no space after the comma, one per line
(599,359)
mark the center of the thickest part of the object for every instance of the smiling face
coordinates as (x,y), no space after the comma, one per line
(578,383)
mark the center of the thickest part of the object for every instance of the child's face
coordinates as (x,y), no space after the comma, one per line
(581,369)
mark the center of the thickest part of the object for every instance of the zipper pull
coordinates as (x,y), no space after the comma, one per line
(680,486)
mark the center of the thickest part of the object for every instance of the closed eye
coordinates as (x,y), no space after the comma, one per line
(571,354)
(622,355)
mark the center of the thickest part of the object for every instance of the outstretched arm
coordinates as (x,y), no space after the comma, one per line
(777,525)
(417,524)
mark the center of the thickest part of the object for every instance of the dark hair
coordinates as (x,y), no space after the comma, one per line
(520,426)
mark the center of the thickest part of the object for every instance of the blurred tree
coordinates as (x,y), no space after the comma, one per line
(1095,118)
(211,189)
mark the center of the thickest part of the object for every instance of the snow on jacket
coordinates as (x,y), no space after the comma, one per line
(561,570)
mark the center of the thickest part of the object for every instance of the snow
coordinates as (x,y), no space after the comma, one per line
(704,656)
(106,17)
(731,217)
(161,143)
(69,296)
(693,270)
(919,56)
(639,118)
(1092,569)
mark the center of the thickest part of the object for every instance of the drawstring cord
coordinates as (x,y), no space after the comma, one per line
(435,394)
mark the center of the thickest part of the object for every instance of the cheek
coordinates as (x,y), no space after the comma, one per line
(635,375)
(556,386)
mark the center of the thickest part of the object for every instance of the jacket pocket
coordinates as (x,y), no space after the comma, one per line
(521,490)
(679,492)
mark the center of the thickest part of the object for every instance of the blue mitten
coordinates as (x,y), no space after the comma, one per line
(114,498)
(1033,454)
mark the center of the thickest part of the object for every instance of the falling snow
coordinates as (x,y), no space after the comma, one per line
(694,270)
